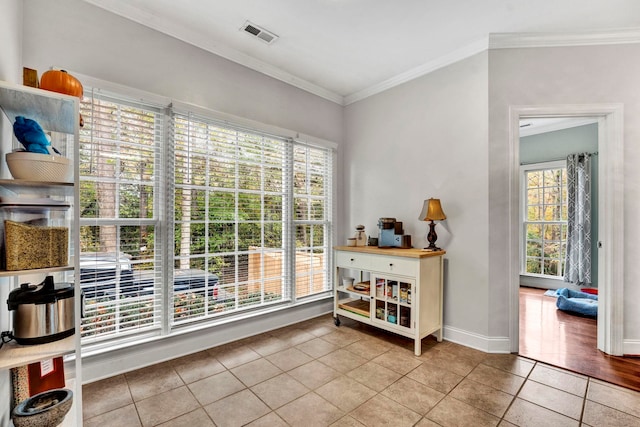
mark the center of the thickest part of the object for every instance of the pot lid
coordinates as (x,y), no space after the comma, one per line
(44,293)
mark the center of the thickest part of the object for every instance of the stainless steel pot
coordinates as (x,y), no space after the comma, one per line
(42,313)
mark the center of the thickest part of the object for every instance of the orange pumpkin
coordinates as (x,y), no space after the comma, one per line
(61,82)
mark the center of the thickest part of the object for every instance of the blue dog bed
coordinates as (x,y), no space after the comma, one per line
(577,302)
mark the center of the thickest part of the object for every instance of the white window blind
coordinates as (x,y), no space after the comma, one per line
(232,189)
(120,214)
(186,218)
(312,184)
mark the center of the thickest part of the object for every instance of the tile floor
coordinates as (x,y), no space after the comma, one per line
(314,374)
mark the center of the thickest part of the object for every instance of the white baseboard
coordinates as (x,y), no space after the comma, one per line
(477,341)
(631,347)
(107,364)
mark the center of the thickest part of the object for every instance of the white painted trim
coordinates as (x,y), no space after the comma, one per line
(631,348)
(610,212)
(492,41)
(192,37)
(477,341)
(107,364)
(552,127)
(591,38)
(440,62)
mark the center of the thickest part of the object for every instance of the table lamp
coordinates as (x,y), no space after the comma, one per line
(432,211)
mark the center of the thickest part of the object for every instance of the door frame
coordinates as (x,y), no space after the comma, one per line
(610,216)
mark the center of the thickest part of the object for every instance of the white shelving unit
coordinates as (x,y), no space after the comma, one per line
(404,292)
(58,114)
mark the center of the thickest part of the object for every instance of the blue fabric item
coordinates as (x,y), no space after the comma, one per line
(31,135)
(577,302)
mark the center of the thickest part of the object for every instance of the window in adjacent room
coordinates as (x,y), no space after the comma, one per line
(544,218)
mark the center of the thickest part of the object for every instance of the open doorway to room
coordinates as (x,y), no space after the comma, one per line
(604,361)
(548,334)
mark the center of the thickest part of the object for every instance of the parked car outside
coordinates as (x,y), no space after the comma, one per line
(105,275)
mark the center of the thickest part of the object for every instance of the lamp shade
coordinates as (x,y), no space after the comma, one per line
(432,211)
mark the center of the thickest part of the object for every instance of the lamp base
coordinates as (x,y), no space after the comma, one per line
(432,237)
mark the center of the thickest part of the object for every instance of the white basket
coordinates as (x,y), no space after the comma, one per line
(40,167)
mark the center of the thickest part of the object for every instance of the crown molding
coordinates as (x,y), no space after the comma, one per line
(441,62)
(193,38)
(590,38)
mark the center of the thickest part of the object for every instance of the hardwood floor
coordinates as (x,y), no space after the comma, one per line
(552,336)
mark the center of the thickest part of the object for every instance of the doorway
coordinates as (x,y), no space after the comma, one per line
(610,217)
(547,334)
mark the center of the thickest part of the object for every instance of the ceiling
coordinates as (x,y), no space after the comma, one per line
(345,50)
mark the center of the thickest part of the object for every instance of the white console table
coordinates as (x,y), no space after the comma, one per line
(405,290)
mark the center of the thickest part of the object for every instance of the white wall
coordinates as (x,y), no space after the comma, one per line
(77,36)
(548,76)
(428,138)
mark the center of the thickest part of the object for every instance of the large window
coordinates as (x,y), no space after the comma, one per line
(544,218)
(242,218)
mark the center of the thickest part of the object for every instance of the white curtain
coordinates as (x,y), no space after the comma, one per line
(578,257)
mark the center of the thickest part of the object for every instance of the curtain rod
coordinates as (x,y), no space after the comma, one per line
(595,153)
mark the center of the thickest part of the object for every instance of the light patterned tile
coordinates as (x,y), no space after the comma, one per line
(316,347)
(341,338)
(279,390)
(414,395)
(309,410)
(381,410)
(552,398)
(293,336)
(619,398)
(314,374)
(232,356)
(452,412)
(399,361)
(237,410)
(345,393)
(166,406)
(426,422)
(374,376)
(497,378)
(265,345)
(156,379)
(435,377)
(255,372)
(343,360)
(197,418)
(127,416)
(482,397)
(289,359)
(527,414)
(270,420)
(596,414)
(215,387)
(560,379)
(105,395)
(450,361)
(510,363)
(197,366)
(347,421)
(368,348)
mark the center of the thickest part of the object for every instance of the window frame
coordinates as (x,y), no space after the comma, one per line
(524,169)
(164,196)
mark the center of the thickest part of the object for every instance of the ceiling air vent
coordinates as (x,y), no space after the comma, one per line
(256,31)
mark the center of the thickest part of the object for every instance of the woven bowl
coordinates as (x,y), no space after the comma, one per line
(39,167)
